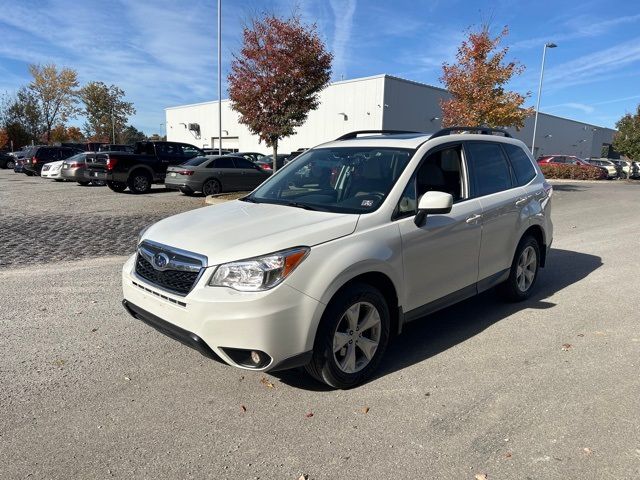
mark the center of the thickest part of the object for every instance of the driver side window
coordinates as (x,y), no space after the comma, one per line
(440,171)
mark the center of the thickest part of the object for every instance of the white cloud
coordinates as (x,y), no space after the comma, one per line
(343,11)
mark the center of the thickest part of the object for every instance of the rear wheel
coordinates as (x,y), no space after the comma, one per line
(211,187)
(524,271)
(139,182)
(117,186)
(186,191)
(352,337)
(84,183)
(11,164)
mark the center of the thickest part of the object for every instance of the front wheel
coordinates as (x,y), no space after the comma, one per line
(352,337)
(117,187)
(524,271)
(10,164)
(84,183)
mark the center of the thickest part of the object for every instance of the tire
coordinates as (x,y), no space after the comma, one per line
(117,187)
(139,182)
(186,192)
(10,164)
(348,365)
(84,183)
(519,285)
(29,173)
(211,187)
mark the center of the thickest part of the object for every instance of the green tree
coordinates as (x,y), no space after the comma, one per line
(56,93)
(275,81)
(21,117)
(106,110)
(627,139)
(131,135)
(477,85)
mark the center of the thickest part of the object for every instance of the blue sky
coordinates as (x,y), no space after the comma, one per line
(163,52)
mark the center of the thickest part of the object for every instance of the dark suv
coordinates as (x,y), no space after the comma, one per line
(41,155)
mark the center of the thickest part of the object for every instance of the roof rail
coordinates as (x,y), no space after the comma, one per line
(352,135)
(481,130)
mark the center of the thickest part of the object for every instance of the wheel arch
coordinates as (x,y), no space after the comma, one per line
(137,168)
(537,232)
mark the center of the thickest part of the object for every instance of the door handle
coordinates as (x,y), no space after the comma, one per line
(521,201)
(473,218)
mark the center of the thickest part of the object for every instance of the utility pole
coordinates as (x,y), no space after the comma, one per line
(219,77)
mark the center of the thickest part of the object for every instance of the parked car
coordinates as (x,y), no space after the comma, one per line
(266,162)
(215,151)
(21,161)
(635,169)
(7,161)
(74,169)
(251,156)
(323,264)
(211,175)
(42,155)
(624,167)
(568,160)
(295,153)
(612,171)
(139,170)
(52,171)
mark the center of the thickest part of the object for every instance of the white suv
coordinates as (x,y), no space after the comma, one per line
(326,261)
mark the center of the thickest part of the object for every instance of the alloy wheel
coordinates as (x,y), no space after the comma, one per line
(357,337)
(526,269)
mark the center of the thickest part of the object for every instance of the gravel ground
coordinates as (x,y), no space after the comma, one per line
(546,389)
(45,221)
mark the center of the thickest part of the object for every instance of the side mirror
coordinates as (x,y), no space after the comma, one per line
(433,203)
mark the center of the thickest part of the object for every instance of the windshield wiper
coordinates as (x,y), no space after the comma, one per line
(303,205)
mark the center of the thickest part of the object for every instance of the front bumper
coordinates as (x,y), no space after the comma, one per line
(280,322)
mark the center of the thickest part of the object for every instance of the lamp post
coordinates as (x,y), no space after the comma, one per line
(535,121)
(219,77)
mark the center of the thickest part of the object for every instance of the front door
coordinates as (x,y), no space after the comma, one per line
(441,256)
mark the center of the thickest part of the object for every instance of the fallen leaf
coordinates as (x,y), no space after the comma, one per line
(309,414)
(587,450)
(266,382)
(507,455)
(59,362)
(94,330)
(127,379)
(481,476)
(304,476)
(581,334)
(244,409)
(566,346)
(365,410)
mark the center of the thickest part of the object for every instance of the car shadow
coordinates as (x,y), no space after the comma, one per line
(567,188)
(435,333)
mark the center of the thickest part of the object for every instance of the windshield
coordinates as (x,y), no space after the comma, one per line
(76,158)
(195,161)
(340,179)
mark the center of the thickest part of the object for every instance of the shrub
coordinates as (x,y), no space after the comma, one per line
(572,172)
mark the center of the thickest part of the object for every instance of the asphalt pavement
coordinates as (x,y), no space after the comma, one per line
(545,389)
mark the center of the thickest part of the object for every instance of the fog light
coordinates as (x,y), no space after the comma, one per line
(255,357)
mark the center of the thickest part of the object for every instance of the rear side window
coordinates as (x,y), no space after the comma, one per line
(489,168)
(522,166)
(223,163)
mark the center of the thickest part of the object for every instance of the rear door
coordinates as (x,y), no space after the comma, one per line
(251,175)
(224,170)
(502,200)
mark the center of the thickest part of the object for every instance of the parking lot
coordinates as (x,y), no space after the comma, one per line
(545,389)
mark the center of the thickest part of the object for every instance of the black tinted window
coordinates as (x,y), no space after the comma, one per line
(489,168)
(243,163)
(223,163)
(194,162)
(521,164)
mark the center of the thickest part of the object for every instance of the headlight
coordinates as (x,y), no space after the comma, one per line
(260,273)
(141,234)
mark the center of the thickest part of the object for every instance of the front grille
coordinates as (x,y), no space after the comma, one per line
(177,281)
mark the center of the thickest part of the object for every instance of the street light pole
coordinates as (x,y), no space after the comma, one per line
(219,77)
(535,121)
(113,128)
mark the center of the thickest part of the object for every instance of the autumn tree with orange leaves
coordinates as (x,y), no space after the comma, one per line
(275,80)
(477,85)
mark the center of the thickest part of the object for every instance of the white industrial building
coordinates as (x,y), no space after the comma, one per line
(370,103)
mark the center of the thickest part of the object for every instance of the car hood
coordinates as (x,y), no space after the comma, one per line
(237,230)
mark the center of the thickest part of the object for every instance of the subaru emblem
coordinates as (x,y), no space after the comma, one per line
(160,260)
